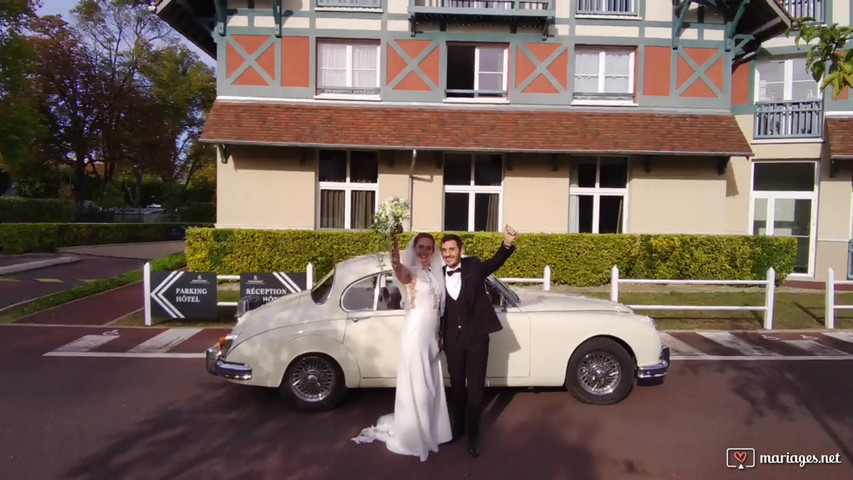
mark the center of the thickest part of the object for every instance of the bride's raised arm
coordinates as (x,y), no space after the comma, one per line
(400,271)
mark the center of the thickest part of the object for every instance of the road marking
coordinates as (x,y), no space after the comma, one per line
(166,340)
(49,280)
(764,358)
(9,280)
(726,339)
(678,347)
(86,343)
(128,355)
(843,336)
(810,345)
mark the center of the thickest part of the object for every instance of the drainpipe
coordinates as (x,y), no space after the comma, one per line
(412,185)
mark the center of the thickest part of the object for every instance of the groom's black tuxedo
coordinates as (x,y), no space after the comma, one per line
(465,326)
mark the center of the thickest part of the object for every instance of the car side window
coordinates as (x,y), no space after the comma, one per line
(389,296)
(359,295)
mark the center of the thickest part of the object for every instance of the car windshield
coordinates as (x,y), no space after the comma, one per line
(505,289)
(320,293)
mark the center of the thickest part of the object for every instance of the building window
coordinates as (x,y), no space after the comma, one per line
(472,192)
(786,80)
(604,74)
(476,71)
(348,189)
(348,68)
(788,101)
(607,7)
(784,197)
(597,195)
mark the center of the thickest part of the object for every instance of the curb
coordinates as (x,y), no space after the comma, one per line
(23,267)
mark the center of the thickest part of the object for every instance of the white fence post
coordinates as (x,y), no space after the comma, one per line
(829,321)
(614,284)
(309,276)
(769,299)
(146,286)
(546,284)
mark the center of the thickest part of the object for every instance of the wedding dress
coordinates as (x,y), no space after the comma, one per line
(420,421)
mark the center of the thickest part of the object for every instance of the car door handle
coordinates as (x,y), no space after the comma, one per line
(357,319)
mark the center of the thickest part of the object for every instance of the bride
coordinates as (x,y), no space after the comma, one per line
(420,421)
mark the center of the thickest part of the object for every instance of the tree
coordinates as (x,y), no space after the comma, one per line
(72,91)
(826,60)
(123,35)
(185,88)
(18,116)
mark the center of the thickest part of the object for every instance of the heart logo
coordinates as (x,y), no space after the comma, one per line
(740,456)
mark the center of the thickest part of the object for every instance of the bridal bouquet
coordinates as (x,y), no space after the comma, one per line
(388,222)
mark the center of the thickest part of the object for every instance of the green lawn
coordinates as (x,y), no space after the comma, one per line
(793,310)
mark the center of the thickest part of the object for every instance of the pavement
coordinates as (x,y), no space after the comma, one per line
(26,277)
(166,417)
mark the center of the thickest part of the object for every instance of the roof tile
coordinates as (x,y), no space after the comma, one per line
(485,129)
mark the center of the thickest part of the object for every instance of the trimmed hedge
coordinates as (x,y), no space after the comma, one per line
(46,237)
(575,259)
(14,209)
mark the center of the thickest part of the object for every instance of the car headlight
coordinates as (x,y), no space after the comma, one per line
(226,342)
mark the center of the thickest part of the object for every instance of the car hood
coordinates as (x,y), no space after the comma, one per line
(539,301)
(278,310)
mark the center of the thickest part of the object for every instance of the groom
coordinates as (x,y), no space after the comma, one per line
(468,319)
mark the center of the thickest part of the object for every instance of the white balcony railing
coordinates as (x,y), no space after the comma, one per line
(788,119)
(350,3)
(806,8)
(484,5)
(607,7)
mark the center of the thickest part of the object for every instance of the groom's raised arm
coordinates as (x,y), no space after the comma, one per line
(500,257)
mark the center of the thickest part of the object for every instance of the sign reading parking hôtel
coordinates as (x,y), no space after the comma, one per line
(183,294)
(270,286)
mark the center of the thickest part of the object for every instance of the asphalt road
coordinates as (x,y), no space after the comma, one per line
(95,418)
(27,285)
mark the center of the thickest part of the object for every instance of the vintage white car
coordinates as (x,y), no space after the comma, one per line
(344,334)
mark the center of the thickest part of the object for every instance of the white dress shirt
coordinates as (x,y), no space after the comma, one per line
(453,282)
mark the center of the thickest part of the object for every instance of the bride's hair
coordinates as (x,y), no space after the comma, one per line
(409,259)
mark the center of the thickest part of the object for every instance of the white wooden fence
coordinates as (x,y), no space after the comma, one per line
(831,307)
(545,280)
(769,283)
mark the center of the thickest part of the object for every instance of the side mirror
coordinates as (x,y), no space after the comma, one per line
(247,304)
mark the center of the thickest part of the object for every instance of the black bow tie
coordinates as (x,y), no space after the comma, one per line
(451,272)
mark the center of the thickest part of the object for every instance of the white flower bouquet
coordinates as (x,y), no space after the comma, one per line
(388,222)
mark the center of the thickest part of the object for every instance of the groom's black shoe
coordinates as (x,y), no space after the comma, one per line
(474,446)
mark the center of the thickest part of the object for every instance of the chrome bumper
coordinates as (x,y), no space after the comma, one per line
(657,370)
(220,368)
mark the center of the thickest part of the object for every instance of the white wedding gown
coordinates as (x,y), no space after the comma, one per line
(420,421)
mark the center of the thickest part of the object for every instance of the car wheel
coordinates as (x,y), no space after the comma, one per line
(314,382)
(600,372)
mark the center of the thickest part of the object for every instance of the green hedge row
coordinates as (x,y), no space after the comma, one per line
(575,259)
(13,209)
(46,237)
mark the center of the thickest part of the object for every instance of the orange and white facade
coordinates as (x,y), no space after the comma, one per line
(589,116)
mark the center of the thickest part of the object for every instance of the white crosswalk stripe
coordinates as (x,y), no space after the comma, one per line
(743,347)
(86,343)
(165,341)
(677,347)
(813,346)
(843,336)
